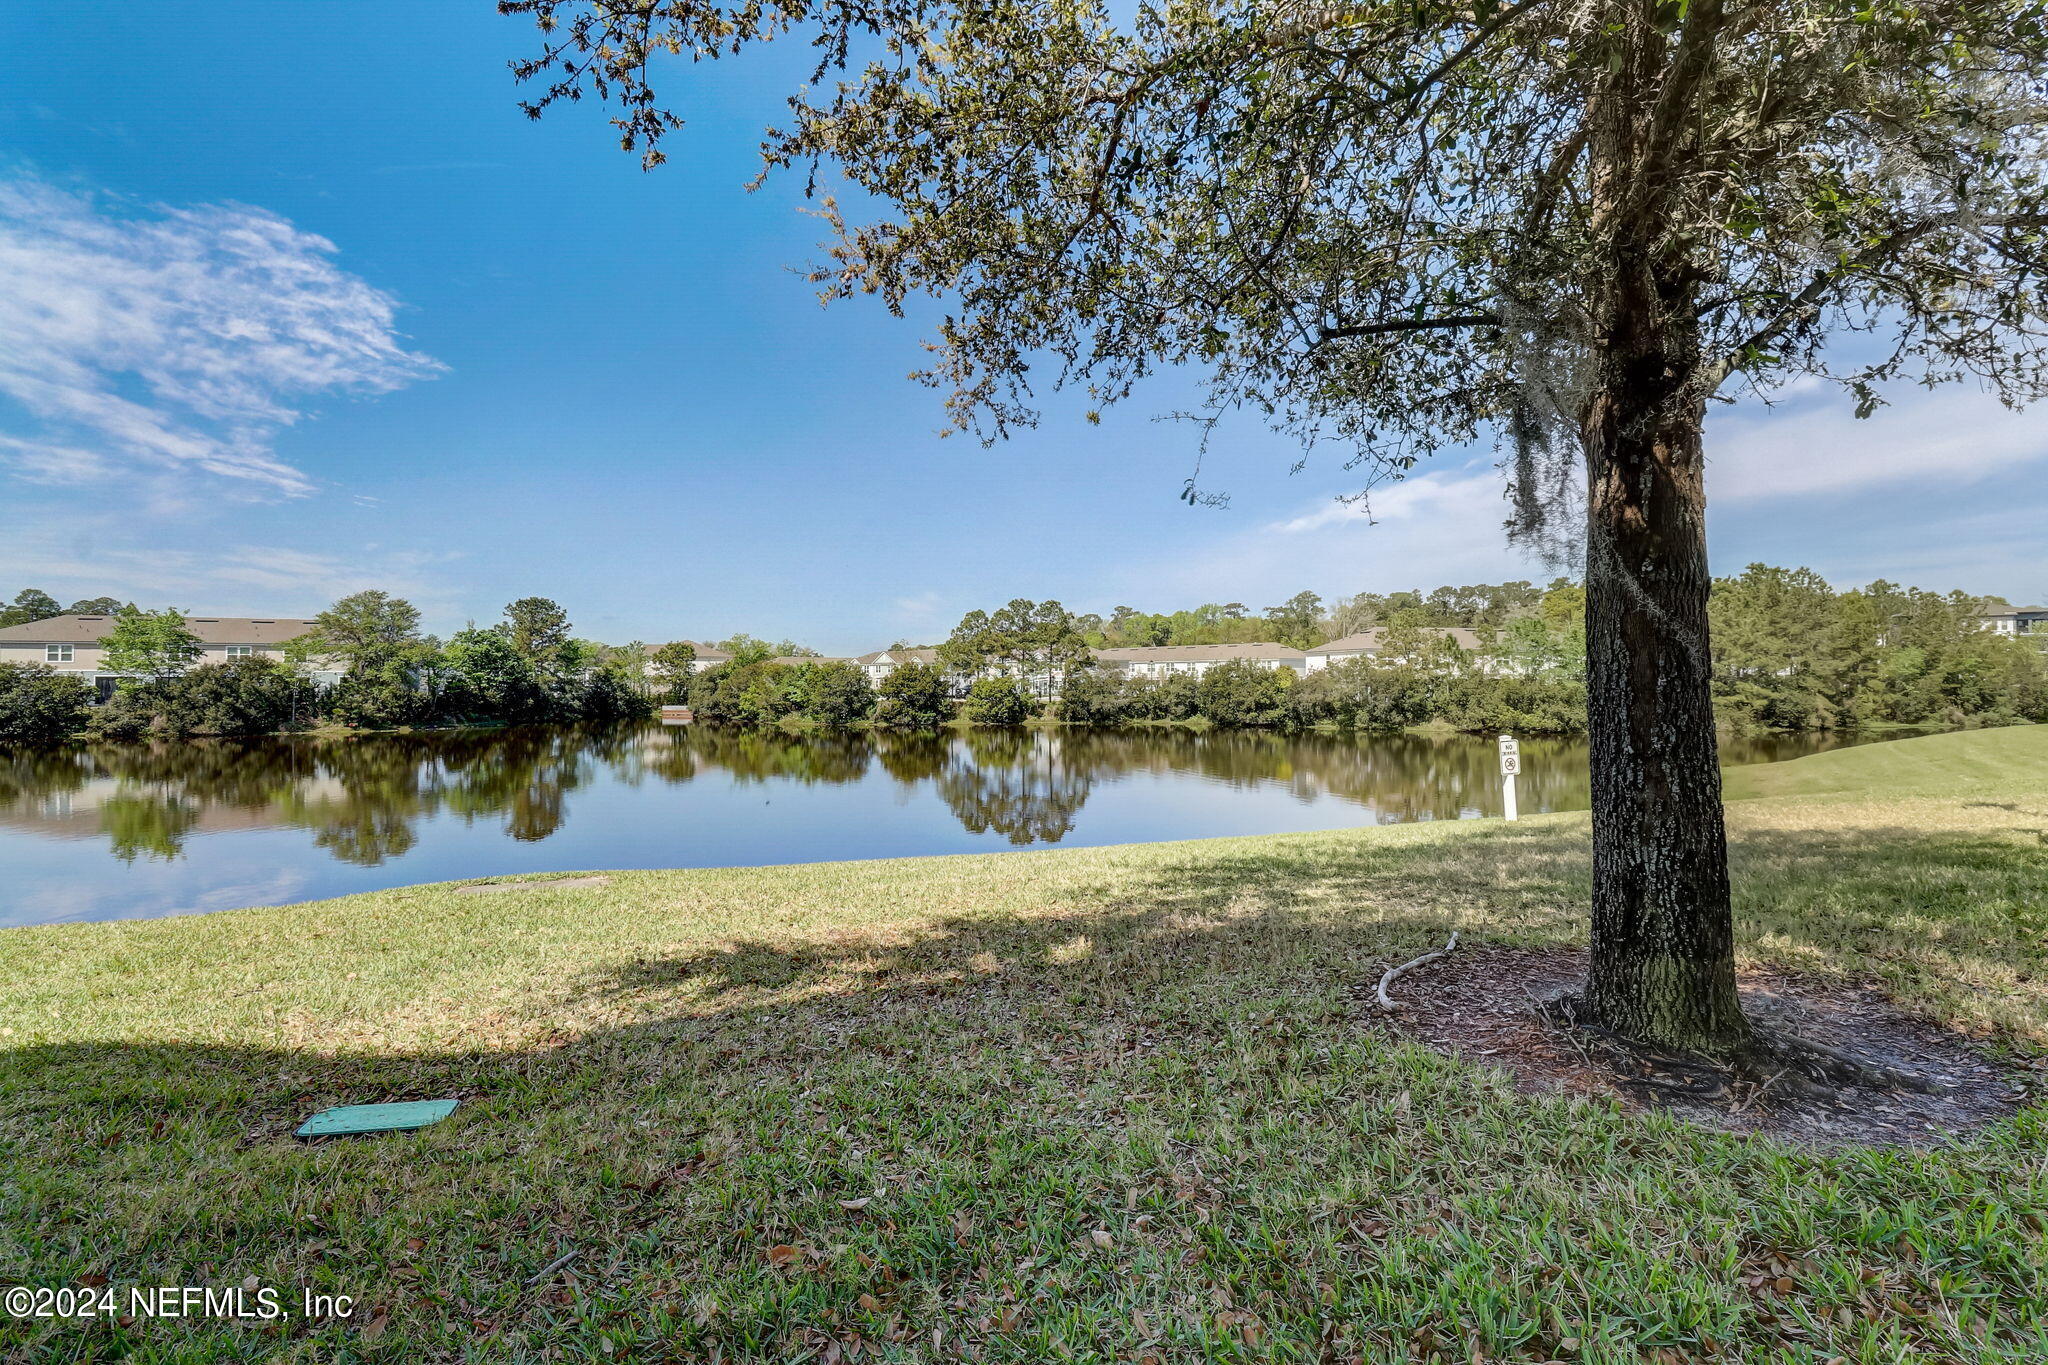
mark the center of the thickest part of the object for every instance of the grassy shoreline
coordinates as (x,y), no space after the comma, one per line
(1093,1104)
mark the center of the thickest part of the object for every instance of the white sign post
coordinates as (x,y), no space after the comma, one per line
(1510,764)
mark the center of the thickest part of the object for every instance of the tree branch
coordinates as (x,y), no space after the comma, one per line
(1807,301)
(1368,329)
(1472,45)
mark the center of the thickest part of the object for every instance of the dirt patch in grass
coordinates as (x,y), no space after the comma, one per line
(1482,1004)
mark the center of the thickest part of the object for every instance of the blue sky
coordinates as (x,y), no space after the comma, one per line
(293,301)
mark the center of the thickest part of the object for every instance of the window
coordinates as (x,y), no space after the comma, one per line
(240,651)
(56,654)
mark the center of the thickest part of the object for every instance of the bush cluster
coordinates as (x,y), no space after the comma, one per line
(39,705)
(258,696)
(1358,694)
(999,701)
(761,692)
(239,697)
(913,699)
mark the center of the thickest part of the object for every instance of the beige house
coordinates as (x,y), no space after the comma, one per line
(1160,661)
(1372,644)
(75,644)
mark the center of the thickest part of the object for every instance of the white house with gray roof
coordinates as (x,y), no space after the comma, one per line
(708,656)
(1161,661)
(883,662)
(2004,619)
(1373,644)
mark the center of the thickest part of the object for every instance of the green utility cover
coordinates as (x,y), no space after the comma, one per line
(376,1118)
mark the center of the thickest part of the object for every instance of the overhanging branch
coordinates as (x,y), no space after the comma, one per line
(1368,329)
(1810,300)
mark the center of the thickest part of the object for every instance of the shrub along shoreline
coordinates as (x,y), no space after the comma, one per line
(524,670)
(249,698)
(1357,694)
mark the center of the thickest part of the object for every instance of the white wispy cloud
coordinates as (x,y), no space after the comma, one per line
(176,339)
(1804,482)
(916,608)
(1816,445)
(85,559)
(1433,497)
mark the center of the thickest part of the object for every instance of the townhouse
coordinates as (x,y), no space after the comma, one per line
(76,644)
(1374,644)
(1160,661)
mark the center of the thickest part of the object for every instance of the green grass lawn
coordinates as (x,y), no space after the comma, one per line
(1119,1104)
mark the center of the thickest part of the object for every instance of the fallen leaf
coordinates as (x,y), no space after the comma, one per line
(1101,1238)
(783,1254)
(856,1203)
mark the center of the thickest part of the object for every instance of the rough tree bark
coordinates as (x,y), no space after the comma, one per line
(1663,968)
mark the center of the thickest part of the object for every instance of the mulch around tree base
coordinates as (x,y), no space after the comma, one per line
(1480,1004)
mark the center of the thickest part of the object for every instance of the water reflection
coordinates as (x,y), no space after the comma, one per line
(650,796)
(1022,784)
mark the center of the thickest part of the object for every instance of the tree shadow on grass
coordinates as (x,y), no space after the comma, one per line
(2016,809)
(1933,914)
(1270,916)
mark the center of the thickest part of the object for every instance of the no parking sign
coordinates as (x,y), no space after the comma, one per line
(1510,764)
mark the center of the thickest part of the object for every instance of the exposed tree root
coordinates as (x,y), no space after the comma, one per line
(1816,1062)
(1772,1064)
(1393,974)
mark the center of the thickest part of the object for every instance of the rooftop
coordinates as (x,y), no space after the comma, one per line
(212,630)
(926,655)
(1374,640)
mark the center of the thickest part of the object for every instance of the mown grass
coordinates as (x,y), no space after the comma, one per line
(1117,1104)
(1958,765)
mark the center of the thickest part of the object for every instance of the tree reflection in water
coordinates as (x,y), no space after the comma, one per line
(1016,783)
(363,798)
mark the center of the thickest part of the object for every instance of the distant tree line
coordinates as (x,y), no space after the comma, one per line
(1304,621)
(33,604)
(1790,653)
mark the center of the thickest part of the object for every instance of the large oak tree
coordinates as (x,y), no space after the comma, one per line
(1397,225)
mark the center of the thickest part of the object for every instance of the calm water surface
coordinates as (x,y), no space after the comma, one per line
(119,831)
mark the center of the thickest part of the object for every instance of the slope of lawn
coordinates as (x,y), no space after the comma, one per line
(1966,763)
(1116,1104)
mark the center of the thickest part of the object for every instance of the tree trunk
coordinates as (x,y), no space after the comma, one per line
(1663,965)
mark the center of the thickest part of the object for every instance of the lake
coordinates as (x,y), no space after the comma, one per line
(122,831)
